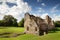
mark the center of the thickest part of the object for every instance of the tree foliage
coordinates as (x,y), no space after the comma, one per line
(9,20)
(1,23)
(57,23)
(21,23)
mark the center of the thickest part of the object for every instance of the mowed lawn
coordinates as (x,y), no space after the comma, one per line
(14,30)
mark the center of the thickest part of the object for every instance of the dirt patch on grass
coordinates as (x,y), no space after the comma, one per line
(9,35)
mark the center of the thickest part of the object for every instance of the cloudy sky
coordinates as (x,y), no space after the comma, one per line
(18,8)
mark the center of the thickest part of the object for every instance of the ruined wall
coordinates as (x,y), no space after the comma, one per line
(50,23)
(37,25)
(31,24)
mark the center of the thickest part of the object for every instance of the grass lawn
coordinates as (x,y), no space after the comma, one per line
(49,36)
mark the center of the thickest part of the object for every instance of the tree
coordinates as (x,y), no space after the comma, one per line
(15,22)
(21,23)
(9,20)
(1,23)
(57,23)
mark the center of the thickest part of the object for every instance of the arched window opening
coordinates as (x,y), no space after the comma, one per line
(27,28)
(35,28)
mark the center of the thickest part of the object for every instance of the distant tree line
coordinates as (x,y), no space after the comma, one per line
(57,23)
(9,20)
(21,23)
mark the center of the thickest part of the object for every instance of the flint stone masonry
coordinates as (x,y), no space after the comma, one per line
(37,25)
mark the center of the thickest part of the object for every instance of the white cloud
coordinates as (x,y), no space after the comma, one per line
(54,9)
(1,16)
(44,15)
(56,17)
(16,11)
(43,4)
(12,1)
(41,13)
(41,10)
(39,0)
(36,14)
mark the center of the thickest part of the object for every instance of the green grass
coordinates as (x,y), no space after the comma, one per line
(49,36)
(11,29)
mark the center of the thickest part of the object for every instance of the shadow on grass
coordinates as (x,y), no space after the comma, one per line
(3,27)
(54,30)
(9,35)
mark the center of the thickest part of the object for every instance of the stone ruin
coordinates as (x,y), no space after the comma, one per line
(37,25)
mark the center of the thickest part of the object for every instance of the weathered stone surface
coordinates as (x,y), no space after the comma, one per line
(50,23)
(37,25)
